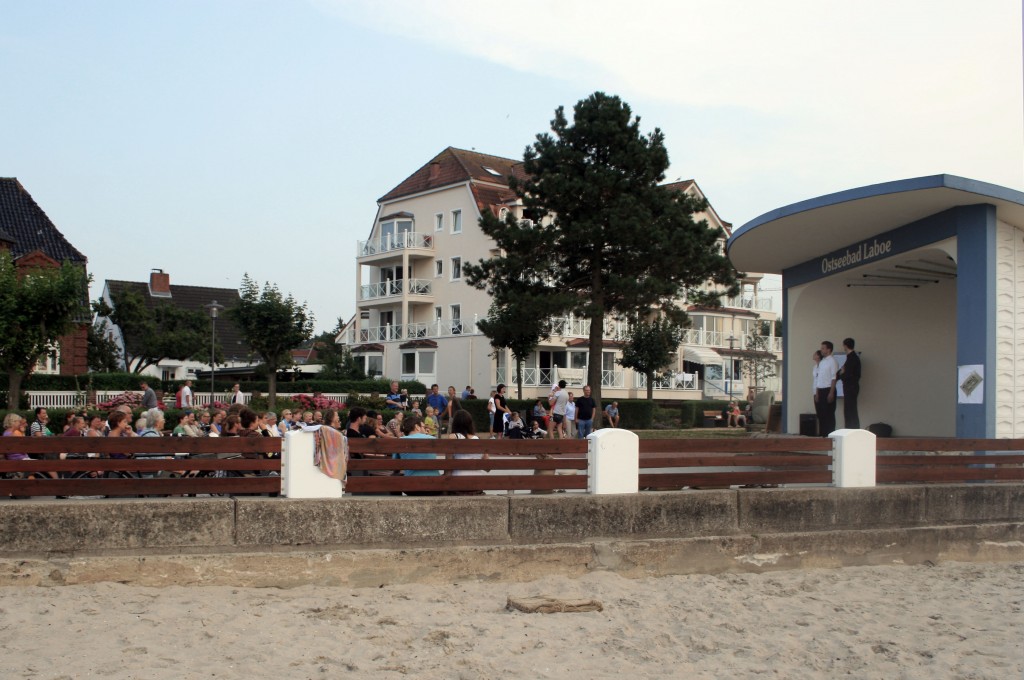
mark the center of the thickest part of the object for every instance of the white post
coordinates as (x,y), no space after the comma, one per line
(613,459)
(299,477)
(853,458)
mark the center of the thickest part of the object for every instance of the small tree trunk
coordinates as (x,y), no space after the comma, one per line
(650,386)
(14,377)
(519,377)
(272,385)
(596,362)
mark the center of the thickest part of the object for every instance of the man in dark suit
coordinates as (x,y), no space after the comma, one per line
(850,375)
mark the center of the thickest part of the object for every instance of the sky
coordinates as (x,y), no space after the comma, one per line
(215,138)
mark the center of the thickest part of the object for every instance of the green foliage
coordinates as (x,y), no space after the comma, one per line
(519,323)
(759,362)
(336,360)
(103,353)
(273,325)
(649,347)
(37,307)
(610,240)
(95,381)
(687,414)
(157,329)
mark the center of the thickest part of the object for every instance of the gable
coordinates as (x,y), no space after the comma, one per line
(27,228)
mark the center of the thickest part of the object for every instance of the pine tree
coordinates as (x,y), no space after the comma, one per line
(609,240)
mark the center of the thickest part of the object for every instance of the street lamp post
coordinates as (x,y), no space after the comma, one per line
(214,309)
(732,363)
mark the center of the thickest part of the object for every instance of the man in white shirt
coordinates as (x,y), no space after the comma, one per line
(186,395)
(825,390)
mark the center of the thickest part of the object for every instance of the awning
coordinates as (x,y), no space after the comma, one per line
(699,354)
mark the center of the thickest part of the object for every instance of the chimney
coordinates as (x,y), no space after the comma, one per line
(159,283)
(435,170)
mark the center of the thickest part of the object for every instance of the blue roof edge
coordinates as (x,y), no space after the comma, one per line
(893,187)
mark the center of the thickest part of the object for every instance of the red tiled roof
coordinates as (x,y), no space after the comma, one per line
(679,186)
(453,166)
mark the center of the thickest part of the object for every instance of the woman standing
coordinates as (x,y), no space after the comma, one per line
(500,409)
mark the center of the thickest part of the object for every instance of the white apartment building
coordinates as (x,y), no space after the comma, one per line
(416,316)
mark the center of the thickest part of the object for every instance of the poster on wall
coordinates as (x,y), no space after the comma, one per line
(971,384)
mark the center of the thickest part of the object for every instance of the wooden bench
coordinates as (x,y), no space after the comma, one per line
(713,418)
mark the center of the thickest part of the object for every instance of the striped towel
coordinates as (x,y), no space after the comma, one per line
(330,452)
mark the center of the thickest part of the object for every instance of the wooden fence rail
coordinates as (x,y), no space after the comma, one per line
(372,469)
(77,466)
(676,464)
(140,466)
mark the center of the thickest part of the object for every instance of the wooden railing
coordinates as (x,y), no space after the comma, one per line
(155,466)
(918,461)
(184,465)
(679,463)
(523,465)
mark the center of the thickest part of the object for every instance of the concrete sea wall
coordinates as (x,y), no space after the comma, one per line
(372,541)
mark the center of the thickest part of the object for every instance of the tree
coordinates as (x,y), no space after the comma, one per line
(609,240)
(104,355)
(518,327)
(37,306)
(649,347)
(759,362)
(157,331)
(273,325)
(337,363)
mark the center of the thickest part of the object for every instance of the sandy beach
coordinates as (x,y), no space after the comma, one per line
(945,621)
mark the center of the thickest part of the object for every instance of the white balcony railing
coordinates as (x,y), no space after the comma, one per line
(669,381)
(394,242)
(380,333)
(394,288)
(748,302)
(437,329)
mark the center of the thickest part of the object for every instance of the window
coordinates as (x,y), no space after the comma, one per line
(456,221)
(375,365)
(418,363)
(439,222)
(456,268)
(456,319)
(438,268)
(426,362)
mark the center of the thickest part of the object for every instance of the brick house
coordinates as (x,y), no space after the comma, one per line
(34,241)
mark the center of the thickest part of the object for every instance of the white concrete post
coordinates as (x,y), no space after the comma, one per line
(853,458)
(613,459)
(299,477)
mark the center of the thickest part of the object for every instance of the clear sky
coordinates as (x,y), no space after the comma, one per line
(210,138)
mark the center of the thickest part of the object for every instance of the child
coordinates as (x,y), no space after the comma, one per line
(538,432)
(416,407)
(430,422)
(514,428)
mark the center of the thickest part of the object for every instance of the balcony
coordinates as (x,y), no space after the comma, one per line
(396,244)
(750,302)
(440,328)
(394,288)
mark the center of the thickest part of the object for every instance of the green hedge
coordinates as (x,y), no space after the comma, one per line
(98,381)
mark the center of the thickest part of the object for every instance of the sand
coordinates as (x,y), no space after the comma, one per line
(945,621)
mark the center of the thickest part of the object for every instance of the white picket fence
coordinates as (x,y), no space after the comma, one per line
(64,400)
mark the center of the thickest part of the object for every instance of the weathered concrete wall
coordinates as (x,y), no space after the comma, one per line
(379,540)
